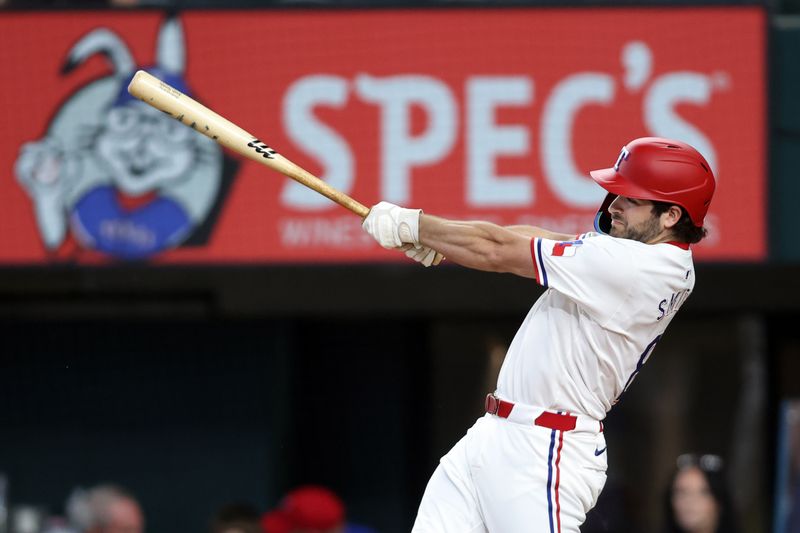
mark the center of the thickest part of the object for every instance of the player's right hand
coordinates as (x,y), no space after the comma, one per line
(392,225)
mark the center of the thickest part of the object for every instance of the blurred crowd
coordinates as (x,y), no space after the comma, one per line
(110,508)
(696,500)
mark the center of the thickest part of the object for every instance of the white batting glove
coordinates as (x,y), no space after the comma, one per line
(392,225)
(423,254)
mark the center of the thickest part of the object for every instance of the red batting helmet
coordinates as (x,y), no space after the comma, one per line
(656,169)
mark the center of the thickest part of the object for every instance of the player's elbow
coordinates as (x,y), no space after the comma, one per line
(501,257)
(494,249)
(495,259)
(511,257)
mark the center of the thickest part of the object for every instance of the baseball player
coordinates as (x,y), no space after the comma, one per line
(537,460)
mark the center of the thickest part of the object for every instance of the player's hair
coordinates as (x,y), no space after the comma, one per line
(684,230)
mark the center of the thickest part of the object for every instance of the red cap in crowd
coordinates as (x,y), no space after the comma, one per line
(309,507)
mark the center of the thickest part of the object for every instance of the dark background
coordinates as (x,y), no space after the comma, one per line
(203,386)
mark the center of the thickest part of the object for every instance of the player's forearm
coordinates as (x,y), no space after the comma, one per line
(534,232)
(479,245)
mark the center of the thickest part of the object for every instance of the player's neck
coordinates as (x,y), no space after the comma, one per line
(665,236)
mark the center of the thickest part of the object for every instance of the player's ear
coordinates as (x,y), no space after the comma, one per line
(671,216)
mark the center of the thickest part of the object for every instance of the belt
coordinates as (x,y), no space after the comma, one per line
(529,415)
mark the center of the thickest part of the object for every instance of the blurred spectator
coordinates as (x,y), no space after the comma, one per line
(310,509)
(236,518)
(697,499)
(57,524)
(105,509)
(787,497)
(305,510)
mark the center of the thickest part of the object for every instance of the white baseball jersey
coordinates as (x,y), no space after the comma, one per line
(608,301)
(539,465)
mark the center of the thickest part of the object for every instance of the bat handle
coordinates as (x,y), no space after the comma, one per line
(299,174)
(340,198)
(356,207)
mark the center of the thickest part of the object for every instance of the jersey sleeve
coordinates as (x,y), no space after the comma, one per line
(596,271)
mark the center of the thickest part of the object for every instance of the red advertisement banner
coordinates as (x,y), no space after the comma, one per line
(494,114)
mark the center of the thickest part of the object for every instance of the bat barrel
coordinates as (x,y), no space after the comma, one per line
(193,114)
(189,112)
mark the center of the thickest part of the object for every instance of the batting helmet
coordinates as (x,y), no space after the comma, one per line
(656,169)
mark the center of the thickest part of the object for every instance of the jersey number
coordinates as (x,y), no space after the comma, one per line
(642,360)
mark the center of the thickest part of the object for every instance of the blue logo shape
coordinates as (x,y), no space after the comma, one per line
(598,452)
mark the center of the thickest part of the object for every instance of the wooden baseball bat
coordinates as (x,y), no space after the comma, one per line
(166,98)
(195,115)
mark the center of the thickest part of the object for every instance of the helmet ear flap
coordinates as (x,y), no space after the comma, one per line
(602,222)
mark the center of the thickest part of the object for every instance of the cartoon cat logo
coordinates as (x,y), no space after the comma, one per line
(116,175)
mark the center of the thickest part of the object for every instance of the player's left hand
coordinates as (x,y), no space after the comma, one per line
(423,254)
(392,225)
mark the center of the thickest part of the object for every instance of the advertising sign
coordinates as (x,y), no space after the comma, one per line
(493,114)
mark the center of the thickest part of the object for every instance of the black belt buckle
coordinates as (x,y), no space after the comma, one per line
(492,404)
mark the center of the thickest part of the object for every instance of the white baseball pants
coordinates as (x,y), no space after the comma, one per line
(511,476)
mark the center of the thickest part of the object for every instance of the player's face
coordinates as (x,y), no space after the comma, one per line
(634,219)
(694,505)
